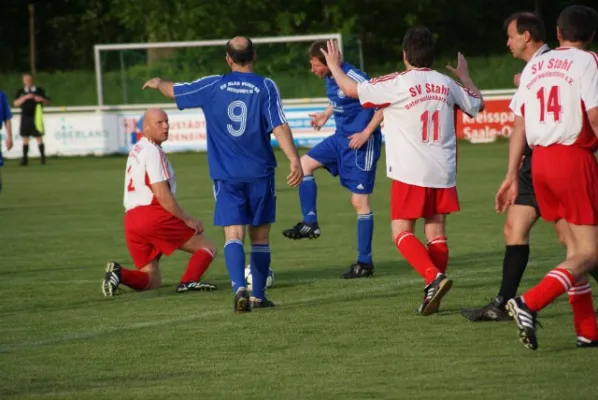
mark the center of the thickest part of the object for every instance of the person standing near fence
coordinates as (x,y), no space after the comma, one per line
(5,119)
(31,99)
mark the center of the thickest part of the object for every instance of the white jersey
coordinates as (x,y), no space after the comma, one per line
(419,124)
(554,94)
(146,164)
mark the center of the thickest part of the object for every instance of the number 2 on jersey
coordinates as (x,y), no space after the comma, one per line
(550,105)
(237,112)
(425,118)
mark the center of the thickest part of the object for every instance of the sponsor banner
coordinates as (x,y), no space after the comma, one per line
(99,133)
(69,134)
(495,121)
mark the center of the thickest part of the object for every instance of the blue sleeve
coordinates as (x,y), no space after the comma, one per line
(273,106)
(5,112)
(194,94)
(356,74)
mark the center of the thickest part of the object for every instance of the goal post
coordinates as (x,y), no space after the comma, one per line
(98,48)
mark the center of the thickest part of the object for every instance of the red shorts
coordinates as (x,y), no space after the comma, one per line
(565,180)
(413,202)
(151,231)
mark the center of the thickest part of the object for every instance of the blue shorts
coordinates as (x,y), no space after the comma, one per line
(1,158)
(245,203)
(356,168)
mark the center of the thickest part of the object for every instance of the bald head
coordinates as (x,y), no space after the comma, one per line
(155,125)
(240,50)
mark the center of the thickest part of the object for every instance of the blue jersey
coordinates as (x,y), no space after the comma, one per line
(349,116)
(241,110)
(5,113)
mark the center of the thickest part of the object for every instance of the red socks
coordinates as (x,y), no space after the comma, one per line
(439,253)
(133,278)
(198,264)
(584,319)
(417,256)
(554,284)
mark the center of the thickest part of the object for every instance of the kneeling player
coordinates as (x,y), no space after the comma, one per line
(421,151)
(155,224)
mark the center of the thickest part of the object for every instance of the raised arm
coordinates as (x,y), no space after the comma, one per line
(165,87)
(333,60)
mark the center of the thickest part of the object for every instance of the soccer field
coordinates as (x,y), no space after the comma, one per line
(327,338)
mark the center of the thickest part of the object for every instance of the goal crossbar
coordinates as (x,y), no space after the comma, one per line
(196,43)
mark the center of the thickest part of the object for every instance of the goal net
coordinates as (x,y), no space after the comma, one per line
(121,69)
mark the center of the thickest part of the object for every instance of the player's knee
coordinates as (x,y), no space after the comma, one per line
(360,203)
(513,235)
(259,235)
(307,165)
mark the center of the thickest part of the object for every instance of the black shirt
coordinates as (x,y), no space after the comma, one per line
(28,107)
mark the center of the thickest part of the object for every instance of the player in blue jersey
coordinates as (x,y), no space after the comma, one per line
(241,110)
(352,153)
(5,119)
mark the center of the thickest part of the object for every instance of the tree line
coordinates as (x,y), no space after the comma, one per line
(66,30)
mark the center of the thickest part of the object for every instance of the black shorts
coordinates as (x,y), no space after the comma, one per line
(526,196)
(28,128)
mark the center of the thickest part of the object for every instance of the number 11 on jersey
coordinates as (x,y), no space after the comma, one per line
(430,121)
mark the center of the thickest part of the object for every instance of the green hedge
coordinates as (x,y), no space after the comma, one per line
(69,88)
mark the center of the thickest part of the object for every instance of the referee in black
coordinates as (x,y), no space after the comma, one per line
(527,36)
(31,99)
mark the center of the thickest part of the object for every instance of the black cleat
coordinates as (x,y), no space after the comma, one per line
(303,231)
(359,270)
(433,293)
(582,342)
(195,287)
(242,304)
(526,322)
(494,311)
(260,303)
(111,279)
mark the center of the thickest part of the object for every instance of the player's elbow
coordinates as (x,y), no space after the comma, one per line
(352,92)
(592,115)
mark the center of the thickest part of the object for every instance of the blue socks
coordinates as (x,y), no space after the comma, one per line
(234,258)
(365,232)
(260,266)
(308,192)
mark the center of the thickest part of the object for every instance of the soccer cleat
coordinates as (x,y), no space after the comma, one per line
(195,287)
(493,311)
(111,279)
(433,293)
(359,270)
(302,231)
(242,304)
(526,322)
(260,303)
(582,342)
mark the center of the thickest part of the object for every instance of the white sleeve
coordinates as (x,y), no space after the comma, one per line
(516,104)
(589,83)
(156,165)
(378,92)
(467,101)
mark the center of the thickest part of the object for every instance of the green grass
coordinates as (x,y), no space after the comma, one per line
(488,72)
(327,338)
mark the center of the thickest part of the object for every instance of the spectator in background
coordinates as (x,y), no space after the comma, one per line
(5,119)
(31,100)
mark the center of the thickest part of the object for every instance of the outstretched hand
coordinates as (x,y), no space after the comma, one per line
(152,83)
(462,70)
(332,53)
